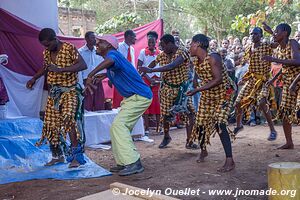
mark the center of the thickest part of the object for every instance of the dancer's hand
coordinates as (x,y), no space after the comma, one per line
(30,83)
(54,68)
(154,82)
(241,82)
(191,92)
(266,27)
(268,59)
(89,86)
(89,81)
(99,78)
(145,69)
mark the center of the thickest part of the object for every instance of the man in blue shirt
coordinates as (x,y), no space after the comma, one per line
(137,98)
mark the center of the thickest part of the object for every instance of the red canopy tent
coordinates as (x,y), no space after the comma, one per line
(18,39)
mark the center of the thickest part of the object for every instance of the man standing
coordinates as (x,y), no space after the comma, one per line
(174,62)
(216,100)
(64,110)
(287,54)
(127,50)
(137,98)
(254,91)
(95,101)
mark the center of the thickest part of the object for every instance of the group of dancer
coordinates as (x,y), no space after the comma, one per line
(63,113)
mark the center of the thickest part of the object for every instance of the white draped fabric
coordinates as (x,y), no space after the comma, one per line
(22,101)
(97,126)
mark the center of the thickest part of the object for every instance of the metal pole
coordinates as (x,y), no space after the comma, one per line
(134,6)
(160,9)
(69,21)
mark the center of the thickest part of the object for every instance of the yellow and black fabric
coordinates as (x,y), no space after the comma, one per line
(64,104)
(259,72)
(65,57)
(172,81)
(215,103)
(289,104)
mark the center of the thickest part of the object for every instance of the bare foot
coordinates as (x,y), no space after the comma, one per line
(74,164)
(228,166)
(202,155)
(55,161)
(287,146)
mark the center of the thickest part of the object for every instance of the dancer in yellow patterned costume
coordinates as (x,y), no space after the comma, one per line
(287,53)
(217,92)
(254,91)
(64,109)
(174,62)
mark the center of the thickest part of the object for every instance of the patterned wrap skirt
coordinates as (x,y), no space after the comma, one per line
(253,92)
(64,113)
(214,109)
(169,97)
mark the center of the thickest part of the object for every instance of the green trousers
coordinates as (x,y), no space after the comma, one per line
(123,148)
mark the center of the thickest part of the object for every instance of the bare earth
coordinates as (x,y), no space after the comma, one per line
(175,167)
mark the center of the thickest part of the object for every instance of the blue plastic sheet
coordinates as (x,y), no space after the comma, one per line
(21,160)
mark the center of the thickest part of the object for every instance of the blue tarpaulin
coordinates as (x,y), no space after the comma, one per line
(21,160)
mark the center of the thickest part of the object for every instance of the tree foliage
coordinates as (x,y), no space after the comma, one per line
(271,11)
(118,15)
(119,23)
(217,18)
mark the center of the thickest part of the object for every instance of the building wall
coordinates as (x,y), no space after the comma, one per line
(75,22)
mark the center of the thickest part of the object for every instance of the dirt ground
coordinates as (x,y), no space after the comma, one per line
(175,167)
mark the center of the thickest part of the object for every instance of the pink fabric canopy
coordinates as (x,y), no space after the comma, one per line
(19,40)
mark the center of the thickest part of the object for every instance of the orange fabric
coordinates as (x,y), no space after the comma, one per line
(150,53)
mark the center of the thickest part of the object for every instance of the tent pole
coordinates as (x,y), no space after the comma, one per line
(160,9)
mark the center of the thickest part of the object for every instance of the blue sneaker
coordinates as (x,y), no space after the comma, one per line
(272,136)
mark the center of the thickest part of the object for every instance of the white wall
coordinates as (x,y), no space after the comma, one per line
(42,13)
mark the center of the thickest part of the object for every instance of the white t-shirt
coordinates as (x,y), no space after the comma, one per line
(147,59)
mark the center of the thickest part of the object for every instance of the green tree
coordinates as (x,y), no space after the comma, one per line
(119,15)
(119,23)
(215,16)
(271,11)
